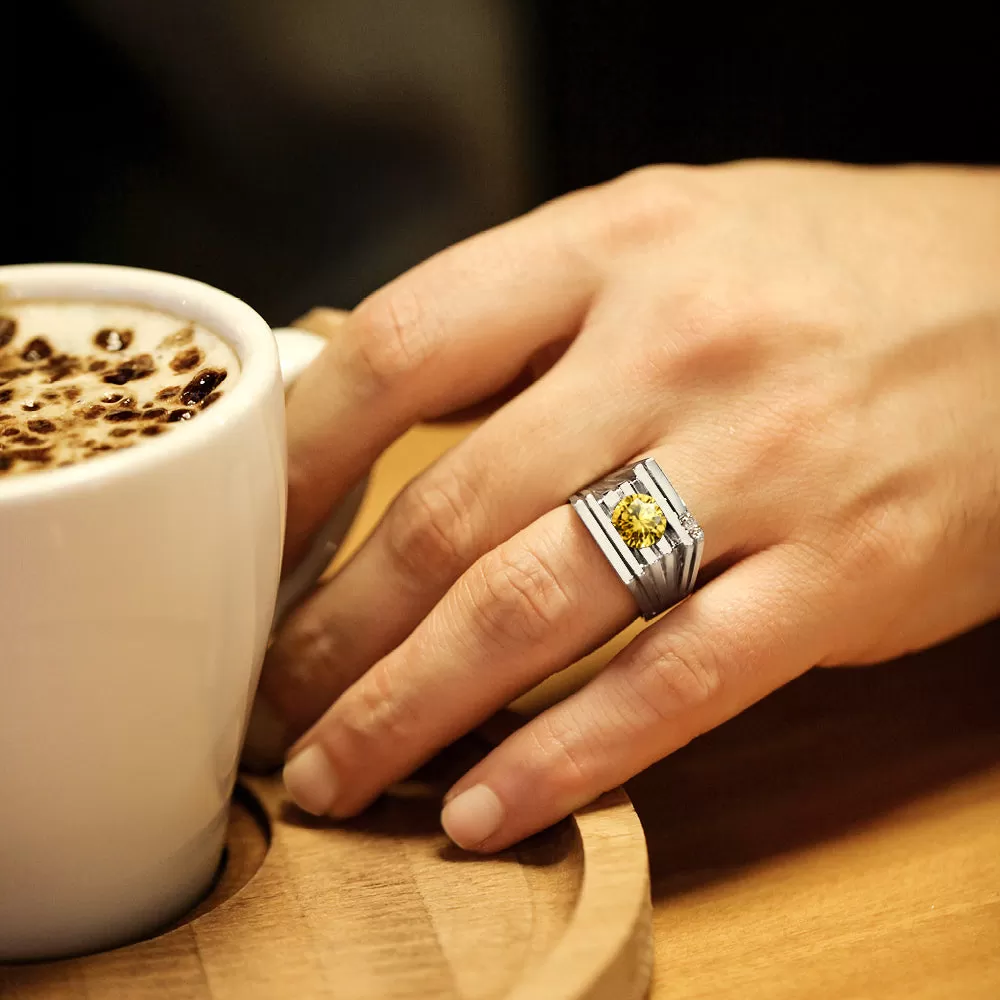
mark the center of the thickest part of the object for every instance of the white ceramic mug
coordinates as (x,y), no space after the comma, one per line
(137,592)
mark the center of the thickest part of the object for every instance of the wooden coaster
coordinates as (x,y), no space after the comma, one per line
(384,906)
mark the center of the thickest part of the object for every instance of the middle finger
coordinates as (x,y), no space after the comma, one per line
(521,463)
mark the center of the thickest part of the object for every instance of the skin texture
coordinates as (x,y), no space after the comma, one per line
(812,354)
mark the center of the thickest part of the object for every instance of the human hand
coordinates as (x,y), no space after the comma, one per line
(811,353)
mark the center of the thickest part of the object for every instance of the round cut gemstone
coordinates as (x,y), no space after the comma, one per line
(639,521)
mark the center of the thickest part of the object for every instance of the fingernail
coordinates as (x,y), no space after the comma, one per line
(267,738)
(311,780)
(472,817)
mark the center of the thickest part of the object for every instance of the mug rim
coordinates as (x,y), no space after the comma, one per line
(223,314)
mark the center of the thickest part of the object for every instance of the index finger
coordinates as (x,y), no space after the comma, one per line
(453,330)
(448,333)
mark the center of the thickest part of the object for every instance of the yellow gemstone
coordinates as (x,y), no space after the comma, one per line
(639,520)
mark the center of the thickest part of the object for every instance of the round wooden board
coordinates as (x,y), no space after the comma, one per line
(384,907)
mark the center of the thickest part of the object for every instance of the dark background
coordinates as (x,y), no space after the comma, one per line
(624,86)
(289,201)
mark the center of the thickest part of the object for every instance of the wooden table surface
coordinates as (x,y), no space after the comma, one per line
(839,840)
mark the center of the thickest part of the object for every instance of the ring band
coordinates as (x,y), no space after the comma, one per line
(646,532)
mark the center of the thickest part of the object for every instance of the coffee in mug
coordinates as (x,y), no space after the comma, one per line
(81,379)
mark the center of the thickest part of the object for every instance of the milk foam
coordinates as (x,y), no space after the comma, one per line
(82,379)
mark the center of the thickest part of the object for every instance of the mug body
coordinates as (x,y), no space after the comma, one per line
(136,596)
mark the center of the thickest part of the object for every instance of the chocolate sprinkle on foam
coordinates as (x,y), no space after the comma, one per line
(113,340)
(37,350)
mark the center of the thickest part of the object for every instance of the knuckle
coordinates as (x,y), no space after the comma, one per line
(640,208)
(728,320)
(377,714)
(890,532)
(432,529)
(914,531)
(395,336)
(681,674)
(307,652)
(519,596)
(567,764)
(794,428)
(646,205)
(712,331)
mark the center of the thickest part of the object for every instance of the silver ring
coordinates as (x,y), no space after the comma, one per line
(646,532)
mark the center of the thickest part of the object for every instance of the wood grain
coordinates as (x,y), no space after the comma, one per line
(839,840)
(383,906)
